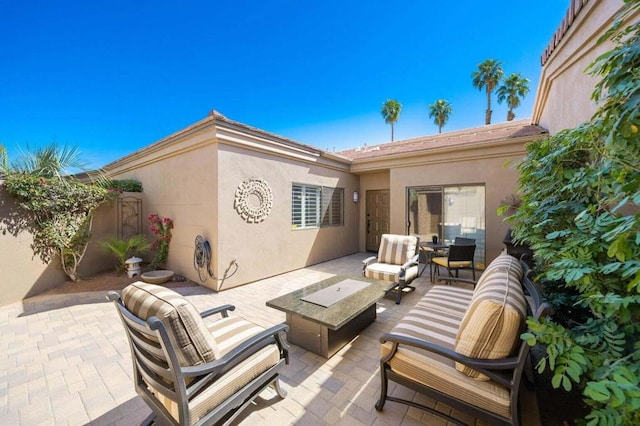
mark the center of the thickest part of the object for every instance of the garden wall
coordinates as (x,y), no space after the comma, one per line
(25,275)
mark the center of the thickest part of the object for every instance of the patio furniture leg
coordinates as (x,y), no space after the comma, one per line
(278,388)
(149,420)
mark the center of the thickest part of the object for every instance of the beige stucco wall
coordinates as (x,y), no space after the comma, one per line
(23,275)
(272,247)
(192,177)
(563,98)
(489,164)
(179,181)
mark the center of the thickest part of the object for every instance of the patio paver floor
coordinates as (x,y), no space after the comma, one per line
(64,360)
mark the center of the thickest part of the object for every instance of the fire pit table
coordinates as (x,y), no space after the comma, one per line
(325,316)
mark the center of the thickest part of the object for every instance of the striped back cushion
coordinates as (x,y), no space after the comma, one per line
(504,262)
(492,324)
(195,345)
(397,249)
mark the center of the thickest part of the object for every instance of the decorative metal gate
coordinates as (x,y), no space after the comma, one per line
(129,217)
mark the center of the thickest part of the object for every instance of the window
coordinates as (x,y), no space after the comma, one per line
(314,206)
(332,206)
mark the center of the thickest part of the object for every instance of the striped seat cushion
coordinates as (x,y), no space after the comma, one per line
(492,325)
(436,318)
(389,272)
(229,333)
(195,344)
(397,249)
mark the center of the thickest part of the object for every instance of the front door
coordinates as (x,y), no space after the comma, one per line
(377,217)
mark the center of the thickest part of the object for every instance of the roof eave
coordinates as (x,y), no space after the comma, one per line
(468,152)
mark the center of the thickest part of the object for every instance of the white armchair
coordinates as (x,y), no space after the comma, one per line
(396,262)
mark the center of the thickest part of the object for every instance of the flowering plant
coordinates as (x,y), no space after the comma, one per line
(161,227)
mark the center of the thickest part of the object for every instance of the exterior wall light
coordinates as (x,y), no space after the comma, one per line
(355,196)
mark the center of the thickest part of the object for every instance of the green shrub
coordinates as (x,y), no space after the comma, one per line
(122,185)
(124,249)
(580,213)
(58,213)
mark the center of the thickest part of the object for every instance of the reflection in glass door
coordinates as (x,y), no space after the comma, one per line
(425,212)
(448,212)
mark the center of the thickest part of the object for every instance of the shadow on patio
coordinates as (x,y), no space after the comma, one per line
(70,363)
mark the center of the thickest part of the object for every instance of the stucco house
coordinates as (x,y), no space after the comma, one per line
(273,205)
(267,204)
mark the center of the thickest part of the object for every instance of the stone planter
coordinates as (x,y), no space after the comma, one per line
(157,277)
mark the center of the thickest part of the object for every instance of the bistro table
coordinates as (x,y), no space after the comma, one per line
(430,250)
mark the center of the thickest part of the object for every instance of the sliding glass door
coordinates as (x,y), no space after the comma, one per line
(448,212)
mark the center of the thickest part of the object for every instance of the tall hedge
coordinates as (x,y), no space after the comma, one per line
(580,213)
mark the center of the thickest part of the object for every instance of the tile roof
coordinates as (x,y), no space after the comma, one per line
(572,14)
(476,135)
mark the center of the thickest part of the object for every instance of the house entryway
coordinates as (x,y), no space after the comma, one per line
(377,210)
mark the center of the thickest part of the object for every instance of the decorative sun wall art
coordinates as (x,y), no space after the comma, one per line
(254,200)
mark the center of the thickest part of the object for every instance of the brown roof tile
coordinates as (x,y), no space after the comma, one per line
(475,135)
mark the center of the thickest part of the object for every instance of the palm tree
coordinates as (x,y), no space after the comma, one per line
(49,161)
(487,77)
(4,161)
(391,112)
(513,89)
(440,111)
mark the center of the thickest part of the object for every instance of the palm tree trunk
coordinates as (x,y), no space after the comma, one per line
(487,114)
(392,131)
(439,125)
(510,115)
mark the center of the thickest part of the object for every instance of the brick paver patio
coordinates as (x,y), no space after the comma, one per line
(64,360)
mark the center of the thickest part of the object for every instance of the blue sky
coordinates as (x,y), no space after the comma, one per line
(113,77)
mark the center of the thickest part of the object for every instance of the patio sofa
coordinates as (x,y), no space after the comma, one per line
(462,347)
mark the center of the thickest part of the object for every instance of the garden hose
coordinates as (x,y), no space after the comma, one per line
(202,261)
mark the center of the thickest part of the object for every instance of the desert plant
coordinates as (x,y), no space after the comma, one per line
(487,77)
(513,89)
(161,227)
(440,111)
(509,205)
(124,249)
(580,213)
(390,111)
(4,161)
(49,161)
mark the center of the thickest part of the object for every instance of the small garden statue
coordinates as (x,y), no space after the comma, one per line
(161,227)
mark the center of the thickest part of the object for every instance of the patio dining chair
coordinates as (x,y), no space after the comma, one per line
(463,241)
(459,256)
(195,372)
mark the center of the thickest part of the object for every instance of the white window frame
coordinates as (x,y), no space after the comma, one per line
(314,206)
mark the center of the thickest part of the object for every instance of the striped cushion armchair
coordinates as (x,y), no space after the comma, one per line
(396,262)
(191,371)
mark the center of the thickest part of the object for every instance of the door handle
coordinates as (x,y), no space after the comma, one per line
(368,226)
